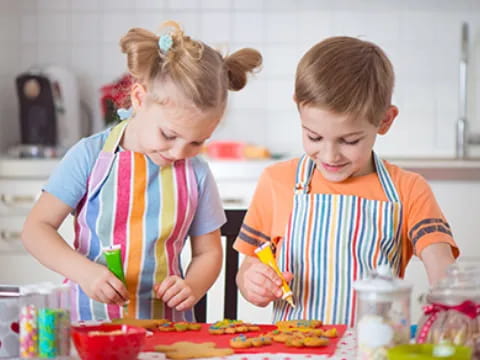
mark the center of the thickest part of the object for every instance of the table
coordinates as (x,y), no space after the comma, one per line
(346,351)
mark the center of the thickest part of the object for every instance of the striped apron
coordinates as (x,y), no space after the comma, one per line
(147,210)
(333,240)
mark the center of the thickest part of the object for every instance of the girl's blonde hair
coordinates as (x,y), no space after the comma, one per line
(347,76)
(201,73)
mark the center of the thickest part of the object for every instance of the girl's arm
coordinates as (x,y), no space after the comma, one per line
(436,258)
(207,257)
(41,238)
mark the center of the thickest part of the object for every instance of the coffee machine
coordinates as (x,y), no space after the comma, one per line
(50,111)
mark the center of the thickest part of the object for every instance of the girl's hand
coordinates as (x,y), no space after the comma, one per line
(102,285)
(176,293)
(259,283)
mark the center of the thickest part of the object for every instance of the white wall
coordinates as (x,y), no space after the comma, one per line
(422,37)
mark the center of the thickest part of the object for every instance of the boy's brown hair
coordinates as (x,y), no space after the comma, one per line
(347,76)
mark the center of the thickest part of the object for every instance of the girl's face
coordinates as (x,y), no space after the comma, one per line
(340,146)
(173,130)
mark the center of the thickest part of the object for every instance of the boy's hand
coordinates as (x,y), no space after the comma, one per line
(102,285)
(259,283)
(176,293)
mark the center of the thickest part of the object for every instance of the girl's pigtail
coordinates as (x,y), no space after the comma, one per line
(239,64)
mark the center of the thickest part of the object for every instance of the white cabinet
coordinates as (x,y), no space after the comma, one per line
(21,183)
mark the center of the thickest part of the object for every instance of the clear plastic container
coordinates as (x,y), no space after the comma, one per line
(383,313)
(28,338)
(451,315)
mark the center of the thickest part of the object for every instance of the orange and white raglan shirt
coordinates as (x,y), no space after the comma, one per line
(423,222)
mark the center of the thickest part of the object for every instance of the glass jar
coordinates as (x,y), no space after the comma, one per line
(383,313)
(451,315)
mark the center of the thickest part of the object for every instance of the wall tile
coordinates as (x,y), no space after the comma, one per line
(280,95)
(29,28)
(281,27)
(216,4)
(184,4)
(284,133)
(9,7)
(115,25)
(248,27)
(53,54)
(85,5)
(29,57)
(9,27)
(215,27)
(247,4)
(85,59)
(86,28)
(55,5)
(280,61)
(9,59)
(109,5)
(150,4)
(252,96)
(53,28)
(113,62)
(281,5)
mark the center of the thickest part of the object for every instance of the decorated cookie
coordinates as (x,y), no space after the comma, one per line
(189,350)
(242,341)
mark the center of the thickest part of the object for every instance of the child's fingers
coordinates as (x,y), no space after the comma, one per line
(186,304)
(180,297)
(268,290)
(119,288)
(268,274)
(175,288)
(164,286)
(110,296)
(288,276)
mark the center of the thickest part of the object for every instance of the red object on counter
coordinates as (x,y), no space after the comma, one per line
(125,346)
(226,150)
(223,341)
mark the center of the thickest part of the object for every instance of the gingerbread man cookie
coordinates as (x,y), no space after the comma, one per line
(190,350)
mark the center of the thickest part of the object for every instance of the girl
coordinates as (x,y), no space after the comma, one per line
(139,185)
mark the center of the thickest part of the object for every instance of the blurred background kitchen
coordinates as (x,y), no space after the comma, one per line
(73,44)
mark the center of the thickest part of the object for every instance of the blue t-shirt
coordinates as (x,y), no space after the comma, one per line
(68,183)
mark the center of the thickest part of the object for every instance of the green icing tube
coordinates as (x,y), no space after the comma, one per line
(113,257)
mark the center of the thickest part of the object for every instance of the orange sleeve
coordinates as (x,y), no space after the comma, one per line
(257,225)
(426,223)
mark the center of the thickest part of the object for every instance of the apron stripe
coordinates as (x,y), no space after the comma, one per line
(117,190)
(172,248)
(167,221)
(355,259)
(104,227)
(135,230)
(146,296)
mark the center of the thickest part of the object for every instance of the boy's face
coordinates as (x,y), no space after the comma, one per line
(340,146)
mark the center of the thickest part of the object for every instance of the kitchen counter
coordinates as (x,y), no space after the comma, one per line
(442,169)
(431,168)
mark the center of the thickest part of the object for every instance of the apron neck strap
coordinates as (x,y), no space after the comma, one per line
(113,139)
(306,167)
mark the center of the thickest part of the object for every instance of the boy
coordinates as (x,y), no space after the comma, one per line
(339,211)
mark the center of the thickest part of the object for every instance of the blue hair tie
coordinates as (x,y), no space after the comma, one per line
(165,42)
(124,114)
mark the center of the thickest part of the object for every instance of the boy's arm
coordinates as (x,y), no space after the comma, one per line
(436,258)
(429,233)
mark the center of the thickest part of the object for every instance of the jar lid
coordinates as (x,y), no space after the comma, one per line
(382,281)
(462,282)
